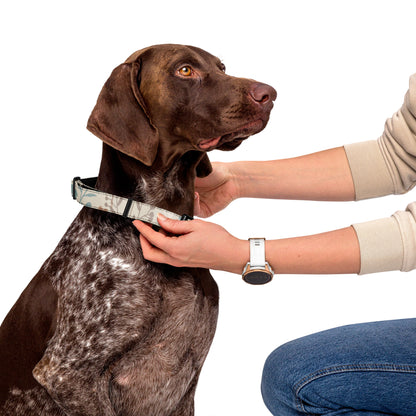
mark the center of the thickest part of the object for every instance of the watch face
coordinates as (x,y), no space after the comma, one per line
(257,277)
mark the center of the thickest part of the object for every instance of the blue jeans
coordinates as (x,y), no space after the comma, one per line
(355,370)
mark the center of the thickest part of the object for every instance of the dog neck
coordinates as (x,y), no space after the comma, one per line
(172,189)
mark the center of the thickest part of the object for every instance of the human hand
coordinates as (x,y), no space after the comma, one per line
(193,243)
(214,192)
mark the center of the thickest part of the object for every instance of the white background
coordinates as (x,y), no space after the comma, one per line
(341,68)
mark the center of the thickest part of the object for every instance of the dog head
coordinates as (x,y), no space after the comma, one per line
(166,100)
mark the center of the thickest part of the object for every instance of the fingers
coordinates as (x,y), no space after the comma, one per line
(155,238)
(197,206)
(152,253)
(157,246)
(194,243)
(175,227)
(150,241)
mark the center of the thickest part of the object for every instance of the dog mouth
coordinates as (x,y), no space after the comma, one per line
(230,141)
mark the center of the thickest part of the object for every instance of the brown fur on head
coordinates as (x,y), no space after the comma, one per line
(166,100)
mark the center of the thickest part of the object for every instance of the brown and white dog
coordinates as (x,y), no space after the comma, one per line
(100,331)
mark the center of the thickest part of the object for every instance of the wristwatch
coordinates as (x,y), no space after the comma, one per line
(257,270)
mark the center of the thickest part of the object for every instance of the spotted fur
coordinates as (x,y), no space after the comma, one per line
(128,332)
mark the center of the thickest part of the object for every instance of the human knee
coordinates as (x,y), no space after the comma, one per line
(279,374)
(270,385)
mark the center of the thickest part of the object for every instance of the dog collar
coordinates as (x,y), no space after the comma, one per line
(83,190)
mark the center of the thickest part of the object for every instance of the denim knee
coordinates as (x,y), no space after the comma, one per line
(279,375)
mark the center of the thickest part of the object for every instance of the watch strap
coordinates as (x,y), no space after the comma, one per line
(257,252)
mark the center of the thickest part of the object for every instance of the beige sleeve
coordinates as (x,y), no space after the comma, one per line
(382,167)
(389,243)
(387,165)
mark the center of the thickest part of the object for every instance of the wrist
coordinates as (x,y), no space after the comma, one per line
(254,179)
(237,257)
(239,177)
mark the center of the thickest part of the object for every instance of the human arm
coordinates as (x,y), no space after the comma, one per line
(200,243)
(321,176)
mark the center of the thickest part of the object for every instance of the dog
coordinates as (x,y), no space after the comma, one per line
(100,331)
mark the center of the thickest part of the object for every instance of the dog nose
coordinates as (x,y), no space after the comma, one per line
(262,93)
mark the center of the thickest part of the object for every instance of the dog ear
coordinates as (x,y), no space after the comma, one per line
(120,119)
(204,167)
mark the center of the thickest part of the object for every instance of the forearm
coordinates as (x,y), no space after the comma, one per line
(322,176)
(334,252)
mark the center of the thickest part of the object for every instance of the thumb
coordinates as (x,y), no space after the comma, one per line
(174,226)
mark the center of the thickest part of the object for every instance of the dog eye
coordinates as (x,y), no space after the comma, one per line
(185,71)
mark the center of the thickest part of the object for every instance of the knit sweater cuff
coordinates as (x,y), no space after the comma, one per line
(369,170)
(381,245)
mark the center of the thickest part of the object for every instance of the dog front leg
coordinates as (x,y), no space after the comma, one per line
(186,405)
(78,392)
